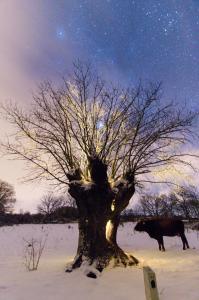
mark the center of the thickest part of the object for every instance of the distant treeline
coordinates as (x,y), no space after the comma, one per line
(65,215)
(61,215)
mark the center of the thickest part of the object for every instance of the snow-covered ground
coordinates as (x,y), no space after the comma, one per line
(177,271)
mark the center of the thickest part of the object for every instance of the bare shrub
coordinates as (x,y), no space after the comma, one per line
(33,251)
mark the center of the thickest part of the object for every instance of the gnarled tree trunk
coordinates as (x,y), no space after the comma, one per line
(99,207)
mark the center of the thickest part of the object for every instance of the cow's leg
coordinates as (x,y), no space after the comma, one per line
(159,244)
(184,241)
(162,243)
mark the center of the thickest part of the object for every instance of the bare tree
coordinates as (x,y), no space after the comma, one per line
(187,199)
(50,203)
(98,140)
(151,205)
(158,205)
(169,205)
(7,197)
(182,201)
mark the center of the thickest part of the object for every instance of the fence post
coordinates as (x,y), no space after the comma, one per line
(151,290)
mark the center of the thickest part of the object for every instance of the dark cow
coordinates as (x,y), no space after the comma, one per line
(157,228)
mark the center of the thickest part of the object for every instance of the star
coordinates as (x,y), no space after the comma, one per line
(100,125)
(60,33)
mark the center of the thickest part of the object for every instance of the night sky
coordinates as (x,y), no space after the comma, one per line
(125,40)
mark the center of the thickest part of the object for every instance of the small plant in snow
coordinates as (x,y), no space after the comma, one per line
(33,251)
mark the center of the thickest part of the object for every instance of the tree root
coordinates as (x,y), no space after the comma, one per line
(76,263)
(123,259)
(93,267)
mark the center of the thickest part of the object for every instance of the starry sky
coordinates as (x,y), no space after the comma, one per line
(126,41)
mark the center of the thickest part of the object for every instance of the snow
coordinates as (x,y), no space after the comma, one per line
(177,271)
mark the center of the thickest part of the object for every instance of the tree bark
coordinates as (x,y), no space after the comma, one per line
(99,207)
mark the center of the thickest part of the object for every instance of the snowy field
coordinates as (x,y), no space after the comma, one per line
(177,271)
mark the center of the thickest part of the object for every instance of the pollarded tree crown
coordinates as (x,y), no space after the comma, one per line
(127,131)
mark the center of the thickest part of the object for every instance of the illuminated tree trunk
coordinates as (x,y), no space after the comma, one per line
(98,223)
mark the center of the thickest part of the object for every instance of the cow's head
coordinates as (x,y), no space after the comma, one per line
(140,226)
